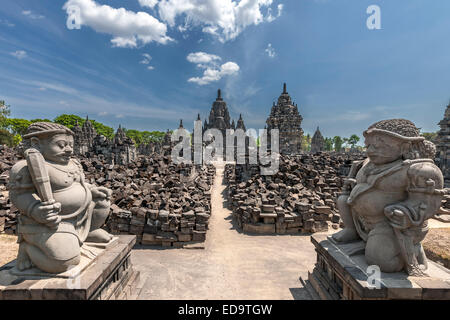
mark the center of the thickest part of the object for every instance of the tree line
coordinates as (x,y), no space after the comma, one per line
(12,129)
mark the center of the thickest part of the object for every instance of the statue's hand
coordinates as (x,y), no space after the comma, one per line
(397,217)
(101,193)
(47,214)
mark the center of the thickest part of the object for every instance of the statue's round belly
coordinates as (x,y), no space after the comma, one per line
(71,198)
(371,204)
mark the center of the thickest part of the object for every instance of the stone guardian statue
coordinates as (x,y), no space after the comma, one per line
(59,211)
(389,197)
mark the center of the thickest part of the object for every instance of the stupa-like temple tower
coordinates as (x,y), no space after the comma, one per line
(84,137)
(285,117)
(219,117)
(443,146)
(317,142)
(240,123)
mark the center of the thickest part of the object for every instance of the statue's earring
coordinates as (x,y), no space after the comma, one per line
(35,143)
(407,151)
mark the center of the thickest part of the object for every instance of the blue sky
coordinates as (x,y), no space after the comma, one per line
(145,70)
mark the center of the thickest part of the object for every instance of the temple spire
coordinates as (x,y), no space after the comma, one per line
(219,94)
(181,123)
(198,117)
(284,88)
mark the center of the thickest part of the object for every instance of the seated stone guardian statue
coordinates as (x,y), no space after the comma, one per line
(59,211)
(389,197)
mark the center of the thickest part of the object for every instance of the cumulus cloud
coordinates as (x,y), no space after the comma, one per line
(19,54)
(32,15)
(270,51)
(202,58)
(225,19)
(213,71)
(128,28)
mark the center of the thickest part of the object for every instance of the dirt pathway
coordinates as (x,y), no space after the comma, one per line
(233,265)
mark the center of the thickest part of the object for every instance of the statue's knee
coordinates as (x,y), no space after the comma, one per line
(61,247)
(382,250)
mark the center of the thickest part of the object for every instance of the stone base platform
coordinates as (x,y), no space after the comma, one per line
(341,273)
(108,276)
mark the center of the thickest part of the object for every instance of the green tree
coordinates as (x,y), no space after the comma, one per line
(103,129)
(4,113)
(40,120)
(337,142)
(17,126)
(6,138)
(306,142)
(430,136)
(353,140)
(135,135)
(328,144)
(69,120)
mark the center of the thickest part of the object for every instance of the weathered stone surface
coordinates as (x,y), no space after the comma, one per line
(285,117)
(340,275)
(299,198)
(111,276)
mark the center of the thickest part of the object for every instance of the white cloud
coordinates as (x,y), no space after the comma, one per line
(202,58)
(212,70)
(146,59)
(270,51)
(32,15)
(225,19)
(271,18)
(148,3)
(19,54)
(128,28)
(119,116)
(103,113)
(7,23)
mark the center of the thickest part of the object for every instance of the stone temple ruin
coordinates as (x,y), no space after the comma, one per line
(119,150)
(285,117)
(443,146)
(317,142)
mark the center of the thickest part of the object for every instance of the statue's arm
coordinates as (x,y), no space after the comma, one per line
(350,180)
(21,190)
(425,193)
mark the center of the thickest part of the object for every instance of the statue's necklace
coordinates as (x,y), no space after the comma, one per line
(71,173)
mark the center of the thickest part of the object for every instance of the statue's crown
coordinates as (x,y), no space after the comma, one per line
(39,129)
(399,128)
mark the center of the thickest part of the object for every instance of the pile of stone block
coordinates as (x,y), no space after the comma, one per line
(299,198)
(8,213)
(160,202)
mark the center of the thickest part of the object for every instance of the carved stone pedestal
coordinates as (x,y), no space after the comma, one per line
(105,273)
(341,273)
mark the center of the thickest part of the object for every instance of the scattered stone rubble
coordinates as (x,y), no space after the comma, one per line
(158,201)
(8,213)
(299,198)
